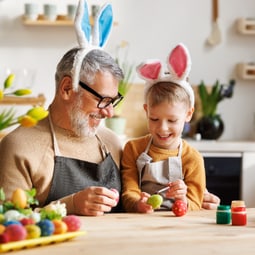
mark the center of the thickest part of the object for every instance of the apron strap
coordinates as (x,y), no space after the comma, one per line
(57,152)
(55,143)
(102,147)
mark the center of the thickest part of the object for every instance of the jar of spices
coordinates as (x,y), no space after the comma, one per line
(239,214)
(223,214)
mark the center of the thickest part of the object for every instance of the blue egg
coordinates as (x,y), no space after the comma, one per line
(47,227)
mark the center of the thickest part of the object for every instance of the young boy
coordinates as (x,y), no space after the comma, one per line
(162,158)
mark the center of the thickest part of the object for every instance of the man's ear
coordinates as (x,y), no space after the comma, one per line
(66,87)
(145,107)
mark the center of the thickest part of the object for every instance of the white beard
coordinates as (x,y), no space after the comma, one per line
(80,122)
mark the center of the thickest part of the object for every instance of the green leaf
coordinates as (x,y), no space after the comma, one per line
(31,200)
(51,215)
(6,118)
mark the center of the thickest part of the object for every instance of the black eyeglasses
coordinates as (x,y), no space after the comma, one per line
(104,101)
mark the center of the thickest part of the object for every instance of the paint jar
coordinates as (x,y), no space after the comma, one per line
(223,214)
(239,214)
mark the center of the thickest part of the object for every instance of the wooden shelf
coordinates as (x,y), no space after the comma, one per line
(41,21)
(61,20)
(246,71)
(246,26)
(11,100)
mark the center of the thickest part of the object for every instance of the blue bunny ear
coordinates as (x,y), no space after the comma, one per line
(82,24)
(102,26)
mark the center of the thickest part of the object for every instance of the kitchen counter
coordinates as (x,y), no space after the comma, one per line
(230,149)
(157,233)
(223,146)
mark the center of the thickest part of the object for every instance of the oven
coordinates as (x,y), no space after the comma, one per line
(224,175)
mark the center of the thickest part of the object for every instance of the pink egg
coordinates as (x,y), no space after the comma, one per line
(16,232)
(116,191)
(73,222)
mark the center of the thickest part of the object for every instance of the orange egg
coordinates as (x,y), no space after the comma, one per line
(19,198)
(2,228)
(60,226)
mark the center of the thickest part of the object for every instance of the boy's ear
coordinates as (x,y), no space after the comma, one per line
(189,114)
(66,87)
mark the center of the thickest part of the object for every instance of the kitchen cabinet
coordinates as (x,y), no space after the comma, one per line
(234,163)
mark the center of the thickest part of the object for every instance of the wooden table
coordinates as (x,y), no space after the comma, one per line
(158,233)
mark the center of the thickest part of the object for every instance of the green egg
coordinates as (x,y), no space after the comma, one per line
(155,201)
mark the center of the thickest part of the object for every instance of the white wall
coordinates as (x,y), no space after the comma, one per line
(152,28)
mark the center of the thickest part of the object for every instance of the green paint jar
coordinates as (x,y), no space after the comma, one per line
(223,214)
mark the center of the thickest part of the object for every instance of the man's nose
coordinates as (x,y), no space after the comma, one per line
(108,111)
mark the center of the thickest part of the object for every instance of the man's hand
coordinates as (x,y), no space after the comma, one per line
(94,201)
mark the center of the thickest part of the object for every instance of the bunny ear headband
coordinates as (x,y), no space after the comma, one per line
(87,40)
(178,64)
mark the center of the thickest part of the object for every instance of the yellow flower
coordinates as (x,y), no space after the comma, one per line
(8,81)
(22,92)
(27,121)
(33,116)
(38,113)
(1,94)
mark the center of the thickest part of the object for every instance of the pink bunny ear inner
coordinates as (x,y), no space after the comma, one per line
(178,60)
(149,70)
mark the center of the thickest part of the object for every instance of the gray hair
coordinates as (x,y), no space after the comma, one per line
(95,61)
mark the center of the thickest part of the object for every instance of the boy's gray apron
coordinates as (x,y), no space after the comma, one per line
(72,175)
(154,176)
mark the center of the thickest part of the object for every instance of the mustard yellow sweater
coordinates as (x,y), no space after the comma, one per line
(192,167)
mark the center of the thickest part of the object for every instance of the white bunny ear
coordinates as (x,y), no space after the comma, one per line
(149,70)
(102,26)
(179,62)
(82,24)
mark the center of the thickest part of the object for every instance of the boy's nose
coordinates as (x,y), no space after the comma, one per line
(164,125)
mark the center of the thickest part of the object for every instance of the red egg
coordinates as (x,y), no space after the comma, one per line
(27,221)
(179,208)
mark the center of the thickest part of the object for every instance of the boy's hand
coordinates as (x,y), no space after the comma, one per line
(177,190)
(142,206)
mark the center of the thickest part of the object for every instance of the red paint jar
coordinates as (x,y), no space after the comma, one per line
(239,214)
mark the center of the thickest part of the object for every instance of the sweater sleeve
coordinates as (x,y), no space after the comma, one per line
(13,172)
(194,176)
(131,192)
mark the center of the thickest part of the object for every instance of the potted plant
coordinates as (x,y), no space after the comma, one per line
(117,123)
(210,125)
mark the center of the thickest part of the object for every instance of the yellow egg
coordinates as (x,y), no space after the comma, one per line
(19,198)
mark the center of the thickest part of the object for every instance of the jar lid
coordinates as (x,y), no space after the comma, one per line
(223,207)
(237,203)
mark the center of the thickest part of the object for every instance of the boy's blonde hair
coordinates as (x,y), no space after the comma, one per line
(166,92)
